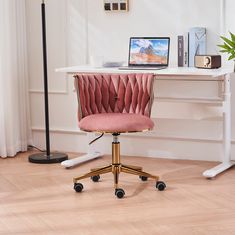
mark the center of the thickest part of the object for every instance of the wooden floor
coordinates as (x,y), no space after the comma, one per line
(39,199)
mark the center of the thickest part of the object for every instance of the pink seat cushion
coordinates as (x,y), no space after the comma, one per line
(116,123)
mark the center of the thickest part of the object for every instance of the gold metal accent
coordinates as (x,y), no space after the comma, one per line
(116,171)
(97,168)
(132,171)
(116,168)
(100,171)
(134,167)
(115,153)
(111,132)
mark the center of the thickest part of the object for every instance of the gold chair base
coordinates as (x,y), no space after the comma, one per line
(116,169)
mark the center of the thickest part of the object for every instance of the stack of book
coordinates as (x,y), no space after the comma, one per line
(191,44)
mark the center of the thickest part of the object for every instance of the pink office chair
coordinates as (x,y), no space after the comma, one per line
(115,104)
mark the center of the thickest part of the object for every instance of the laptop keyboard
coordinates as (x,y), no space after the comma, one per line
(142,68)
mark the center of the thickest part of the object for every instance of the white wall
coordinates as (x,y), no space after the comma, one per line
(152,18)
(79,29)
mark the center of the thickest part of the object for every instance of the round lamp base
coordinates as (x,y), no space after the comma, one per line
(42,158)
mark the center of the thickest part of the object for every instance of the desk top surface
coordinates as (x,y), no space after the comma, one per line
(177,71)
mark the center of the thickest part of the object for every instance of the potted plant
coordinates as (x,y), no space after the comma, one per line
(229,47)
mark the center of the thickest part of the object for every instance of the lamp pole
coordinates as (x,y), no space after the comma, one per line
(45,78)
(46,157)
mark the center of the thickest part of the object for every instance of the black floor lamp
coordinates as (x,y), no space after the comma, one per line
(46,157)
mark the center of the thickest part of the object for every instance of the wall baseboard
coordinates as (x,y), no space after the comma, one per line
(62,92)
(148,145)
(150,134)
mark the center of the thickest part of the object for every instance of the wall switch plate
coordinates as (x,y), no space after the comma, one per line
(116,5)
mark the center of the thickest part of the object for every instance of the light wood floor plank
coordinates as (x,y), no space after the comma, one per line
(39,199)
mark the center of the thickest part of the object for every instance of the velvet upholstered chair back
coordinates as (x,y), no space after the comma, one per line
(114,93)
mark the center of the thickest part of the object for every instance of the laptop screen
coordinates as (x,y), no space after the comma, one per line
(149,51)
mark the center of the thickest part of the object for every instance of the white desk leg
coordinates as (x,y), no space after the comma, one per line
(91,154)
(226,162)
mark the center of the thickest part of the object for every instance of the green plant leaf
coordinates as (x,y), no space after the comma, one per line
(225,46)
(232,51)
(223,51)
(231,57)
(229,42)
(232,36)
(228,46)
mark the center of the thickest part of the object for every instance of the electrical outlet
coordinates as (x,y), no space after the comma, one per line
(116,5)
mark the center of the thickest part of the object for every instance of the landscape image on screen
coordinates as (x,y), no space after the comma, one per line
(149,51)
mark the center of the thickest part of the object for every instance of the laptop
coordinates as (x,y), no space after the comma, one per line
(148,53)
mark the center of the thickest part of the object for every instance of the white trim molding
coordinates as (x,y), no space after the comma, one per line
(57,92)
(150,134)
(222,17)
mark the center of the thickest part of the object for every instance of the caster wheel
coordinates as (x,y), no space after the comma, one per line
(143,178)
(78,187)
(95,178)
(160,185)
(119,192)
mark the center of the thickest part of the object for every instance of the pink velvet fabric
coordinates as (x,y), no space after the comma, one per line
(114,93)
(116,122)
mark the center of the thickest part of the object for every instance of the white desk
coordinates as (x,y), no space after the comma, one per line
(191,74)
